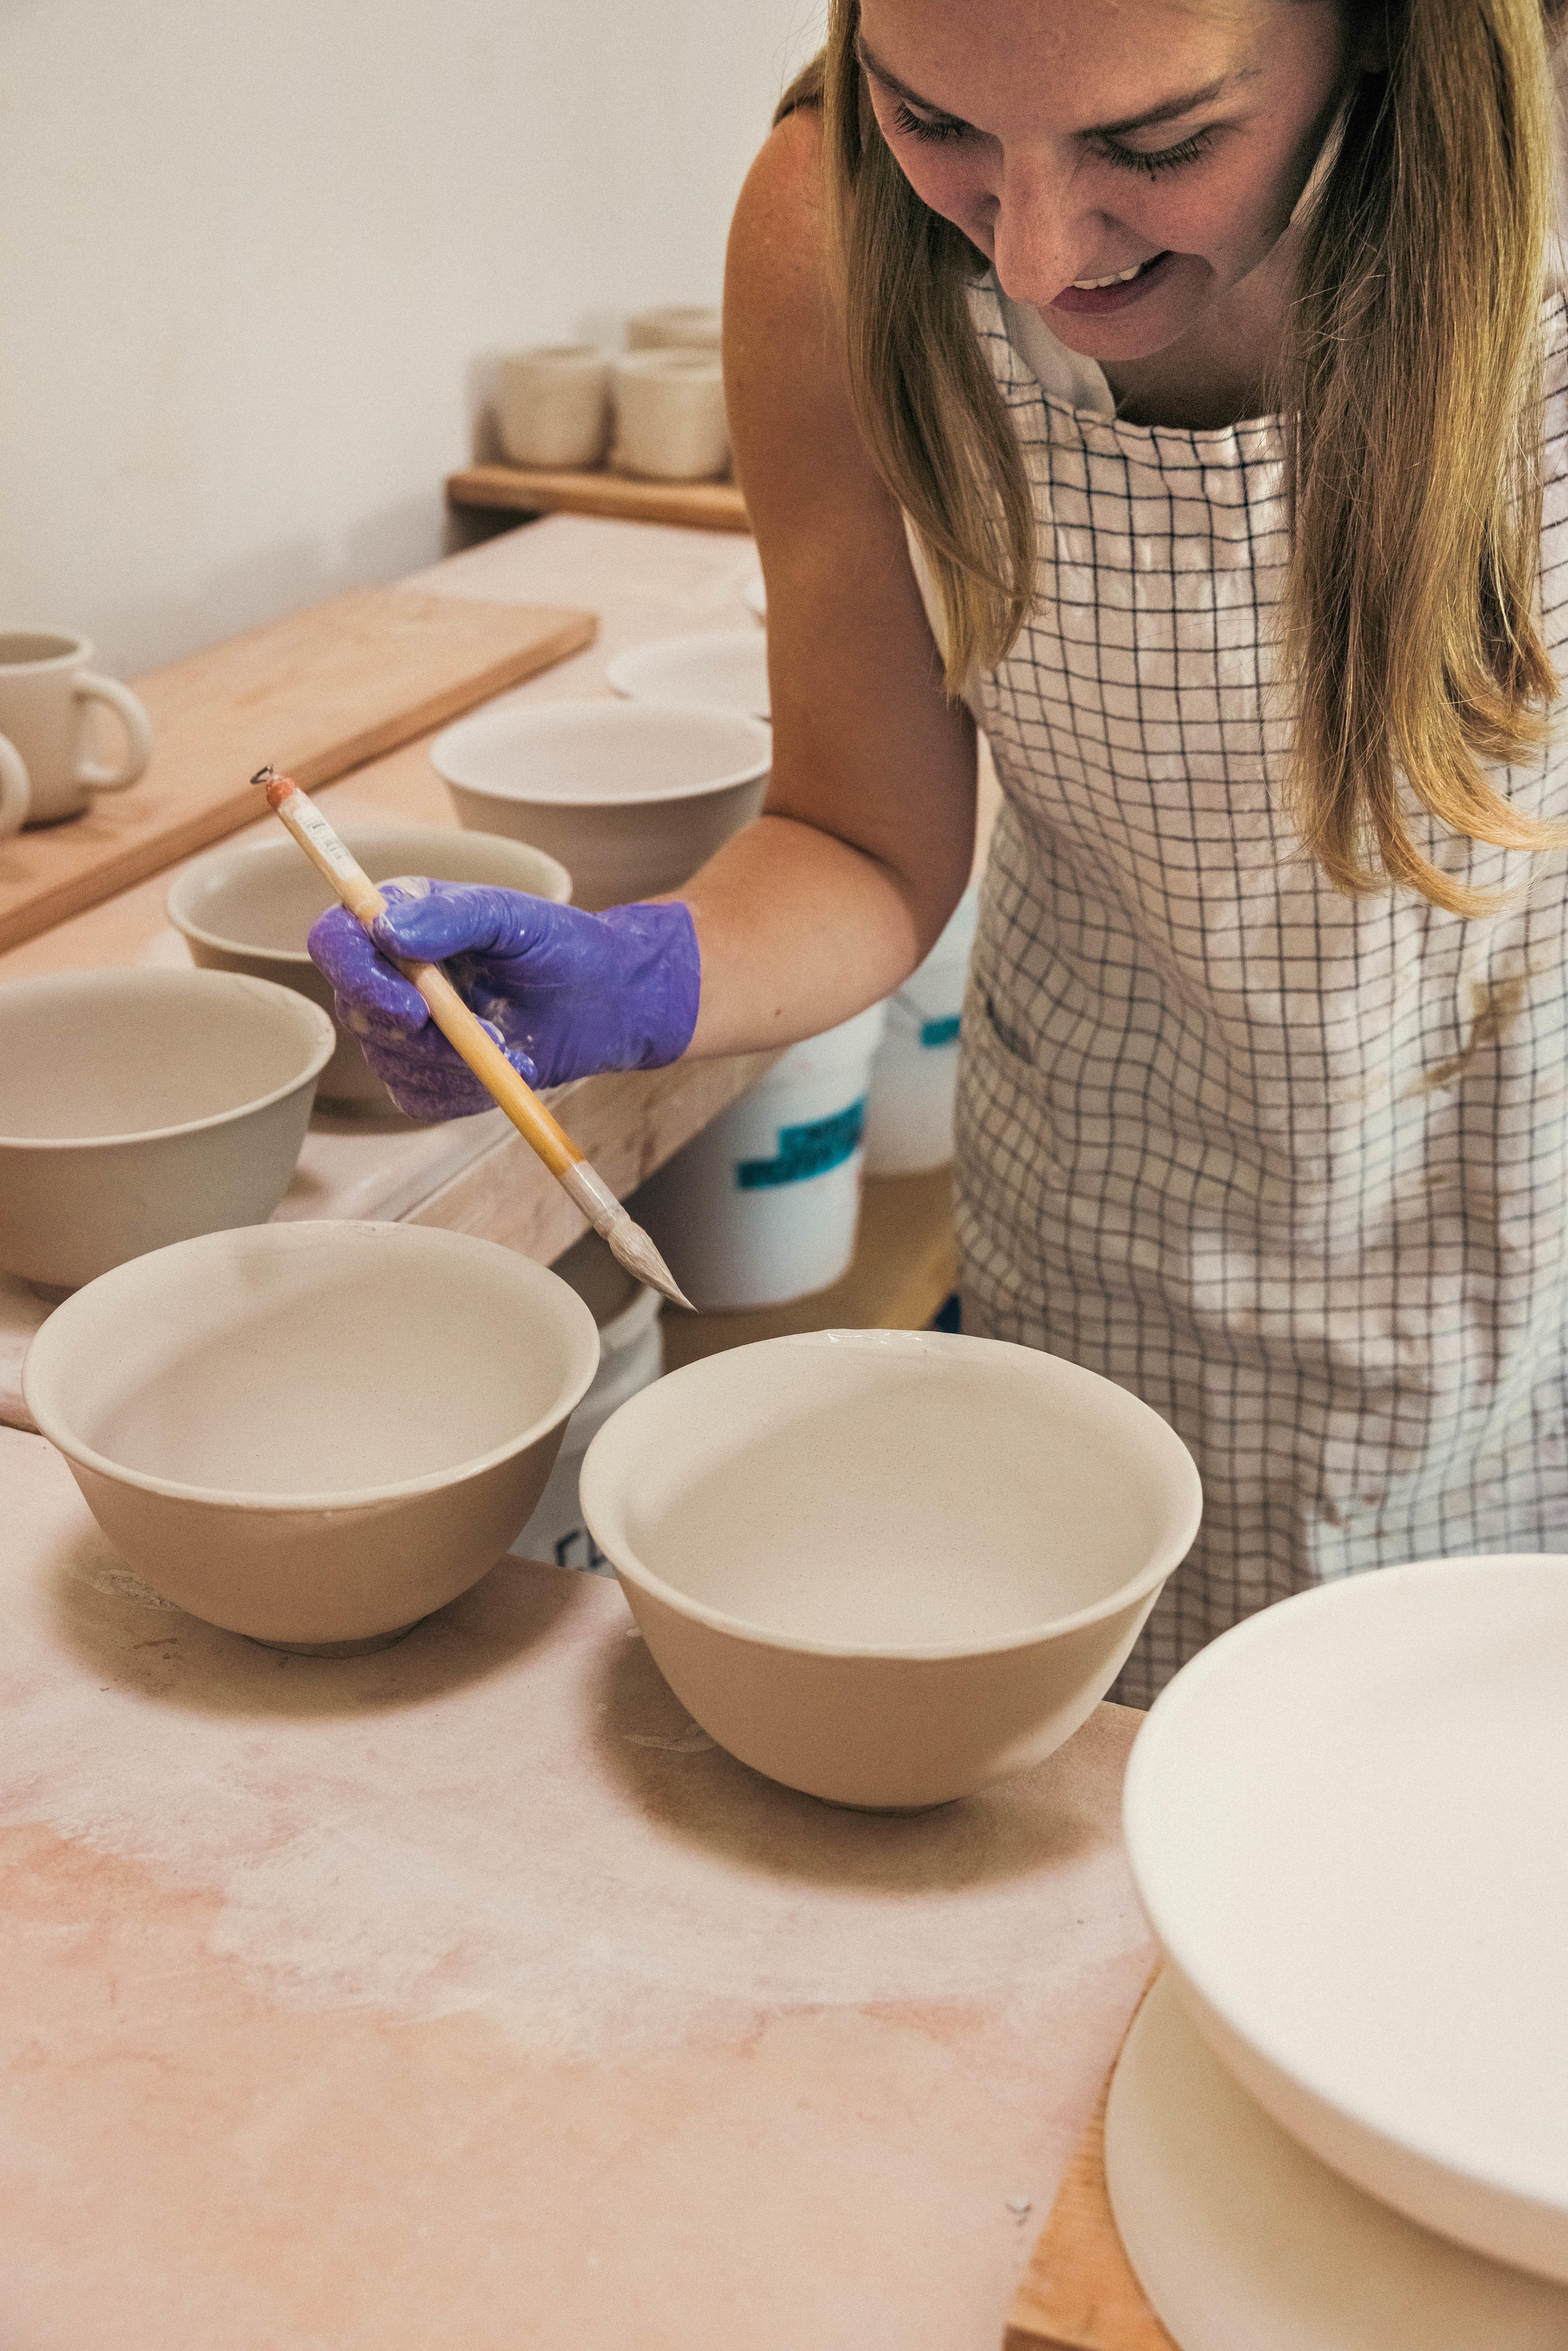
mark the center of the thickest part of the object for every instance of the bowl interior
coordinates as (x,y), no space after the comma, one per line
(905,1495)
(263,899)
(726,669)
(96,1054)
(602,754)
(323,1362)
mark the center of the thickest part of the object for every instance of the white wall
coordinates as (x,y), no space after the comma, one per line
(253,255)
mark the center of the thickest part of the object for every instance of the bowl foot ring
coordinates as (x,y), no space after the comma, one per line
(337,1649)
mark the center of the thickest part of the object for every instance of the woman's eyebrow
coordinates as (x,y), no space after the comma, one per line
(1170,109)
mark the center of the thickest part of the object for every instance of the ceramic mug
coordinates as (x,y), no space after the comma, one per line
(46,687)
(670,421)
(552,405)
(691,329)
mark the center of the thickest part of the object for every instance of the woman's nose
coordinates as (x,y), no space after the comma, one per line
(1041,239)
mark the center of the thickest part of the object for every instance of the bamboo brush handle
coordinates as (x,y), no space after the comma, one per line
(462,1027)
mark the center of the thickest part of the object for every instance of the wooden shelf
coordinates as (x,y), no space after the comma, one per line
(527,489)
(905,1264)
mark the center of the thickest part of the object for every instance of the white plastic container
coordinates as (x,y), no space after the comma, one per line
(909,1118)
(762,1205)
(630,1357)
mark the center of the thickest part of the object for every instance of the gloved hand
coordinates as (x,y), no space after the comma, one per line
(566,993)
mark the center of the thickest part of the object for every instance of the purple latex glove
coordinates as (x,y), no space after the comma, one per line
(565,993)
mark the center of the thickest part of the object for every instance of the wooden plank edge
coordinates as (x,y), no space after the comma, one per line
(75,893)
(695,505)
(1079,2292)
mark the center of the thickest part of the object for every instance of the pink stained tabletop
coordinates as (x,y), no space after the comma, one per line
(467,1995)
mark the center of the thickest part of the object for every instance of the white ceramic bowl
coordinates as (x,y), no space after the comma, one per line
(631,797)
(1347,1822)
(250,907)
(314,1434)
(139,1107)
(725,669)
(889,1566)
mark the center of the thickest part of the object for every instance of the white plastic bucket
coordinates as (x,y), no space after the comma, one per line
(631,1356)
(909,1118)
(762,1205)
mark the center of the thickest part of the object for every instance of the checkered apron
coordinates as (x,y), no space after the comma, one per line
(1291,1166)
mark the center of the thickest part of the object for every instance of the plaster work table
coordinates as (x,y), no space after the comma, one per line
(465,1994)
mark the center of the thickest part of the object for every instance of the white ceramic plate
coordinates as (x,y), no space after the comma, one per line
(724,672)
(1348,1824)
(1243,2242)
(754,596)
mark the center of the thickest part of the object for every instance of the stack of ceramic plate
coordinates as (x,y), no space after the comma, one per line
(1340,2122)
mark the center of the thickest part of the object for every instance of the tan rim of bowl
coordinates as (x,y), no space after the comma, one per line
(358,838)
(321,1052)
(608,1531)
(627,717)
(37,1372)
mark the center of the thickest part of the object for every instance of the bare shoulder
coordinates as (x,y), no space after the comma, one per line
(866,745)
(798,447)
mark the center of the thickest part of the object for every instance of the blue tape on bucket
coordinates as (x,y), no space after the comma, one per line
(941,1032)
(806,1151)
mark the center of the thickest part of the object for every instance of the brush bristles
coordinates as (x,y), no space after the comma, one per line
(633,1250)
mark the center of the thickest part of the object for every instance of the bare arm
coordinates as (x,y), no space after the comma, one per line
(829,900)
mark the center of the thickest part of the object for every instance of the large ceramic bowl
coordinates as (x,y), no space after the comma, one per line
(314,1433)
(631,797)
(1346,1821)
(140,1107)
(250,907)
(889,1566)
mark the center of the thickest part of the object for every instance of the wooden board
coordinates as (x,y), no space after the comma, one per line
(316,694)
(905,1265)
(701,506)
(1079,2293)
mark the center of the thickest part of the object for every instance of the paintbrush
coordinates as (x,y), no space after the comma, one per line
(468,1034)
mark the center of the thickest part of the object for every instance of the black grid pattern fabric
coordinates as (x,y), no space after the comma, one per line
(1290,1166)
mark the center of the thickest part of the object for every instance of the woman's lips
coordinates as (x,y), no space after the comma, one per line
(1099,301)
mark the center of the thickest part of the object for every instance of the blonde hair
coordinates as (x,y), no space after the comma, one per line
(1413,381)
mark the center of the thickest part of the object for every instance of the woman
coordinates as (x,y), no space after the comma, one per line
(1195,393)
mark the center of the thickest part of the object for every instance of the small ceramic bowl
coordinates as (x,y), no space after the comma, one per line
(671,424)
(314,1434)
(723,669)
(889,1567)
(250,908)
(552,405)
(676,325)
(630,796)
(140,1107)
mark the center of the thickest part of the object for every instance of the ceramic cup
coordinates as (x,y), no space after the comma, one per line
(45,687)
(670,423)
(552,405)
(680,326)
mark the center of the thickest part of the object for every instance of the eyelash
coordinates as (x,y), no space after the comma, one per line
(1164,159)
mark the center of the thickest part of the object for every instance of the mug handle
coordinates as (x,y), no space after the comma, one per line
(137,730)
(16,791)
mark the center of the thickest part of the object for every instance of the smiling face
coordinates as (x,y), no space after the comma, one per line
(1076,141)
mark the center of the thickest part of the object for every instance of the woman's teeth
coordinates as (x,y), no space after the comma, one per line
(1093,284)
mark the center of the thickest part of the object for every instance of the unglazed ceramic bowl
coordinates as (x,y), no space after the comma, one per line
(140,1107)
(250,908)
(1345,1823)
(888,1566)
(631,797)
(723,669)
(314,1434)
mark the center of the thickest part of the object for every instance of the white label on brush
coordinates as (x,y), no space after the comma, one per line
(311,819)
